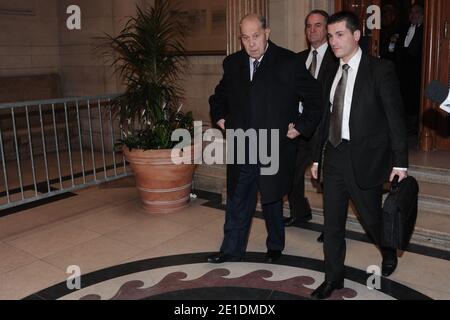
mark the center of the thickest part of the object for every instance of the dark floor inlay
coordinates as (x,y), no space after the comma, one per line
(133,290)
(173,284)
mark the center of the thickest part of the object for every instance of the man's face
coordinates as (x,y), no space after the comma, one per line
(254,37)
(316,30)
(343,41)
(416,15)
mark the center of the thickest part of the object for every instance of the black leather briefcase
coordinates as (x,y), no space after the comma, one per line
(400,214)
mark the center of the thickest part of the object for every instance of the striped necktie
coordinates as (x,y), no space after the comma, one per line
(338,109)
(256,64)
(313,66)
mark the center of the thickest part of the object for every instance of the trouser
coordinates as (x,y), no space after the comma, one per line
(298,203)
(339,187)
(239,215)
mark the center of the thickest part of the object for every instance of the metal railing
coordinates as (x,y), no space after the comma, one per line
(51,147)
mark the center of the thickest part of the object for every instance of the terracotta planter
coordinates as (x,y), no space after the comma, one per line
(164,187)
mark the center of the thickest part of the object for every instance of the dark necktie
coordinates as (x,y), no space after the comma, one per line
(256,64)
(338,109)
(313,66)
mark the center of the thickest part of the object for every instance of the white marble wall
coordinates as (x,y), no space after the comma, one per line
(41,43)
(203,76)
(83,70)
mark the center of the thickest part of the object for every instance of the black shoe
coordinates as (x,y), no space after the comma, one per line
(306,218)
(273,256)
(292,221)
(289,222)
(221,258)
(390,262)
(320,238)
(326,289)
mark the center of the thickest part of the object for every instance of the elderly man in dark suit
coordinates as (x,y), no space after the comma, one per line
(320,61)
(260,90)
(409,52)
(365,144)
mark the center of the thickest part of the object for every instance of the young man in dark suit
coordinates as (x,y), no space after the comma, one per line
(260,90)
(365,144)
(319,59)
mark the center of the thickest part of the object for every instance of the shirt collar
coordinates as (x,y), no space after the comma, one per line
(260,59)
(354,61)
(321,50)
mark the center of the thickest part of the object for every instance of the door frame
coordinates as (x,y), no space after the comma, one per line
(435,67)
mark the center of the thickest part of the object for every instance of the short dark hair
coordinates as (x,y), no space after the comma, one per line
(319,12)
(350,18)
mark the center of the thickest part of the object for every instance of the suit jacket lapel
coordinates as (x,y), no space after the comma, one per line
(326,63)
(244,73)
(363,73)
(267,61)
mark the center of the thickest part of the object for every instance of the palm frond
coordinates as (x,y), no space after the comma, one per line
(149,56)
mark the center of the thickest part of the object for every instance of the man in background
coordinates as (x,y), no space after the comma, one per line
(320,62)
(408,53)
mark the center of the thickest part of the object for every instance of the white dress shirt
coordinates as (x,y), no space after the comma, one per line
(252,60)
(410,35)
(320,55)
(354,63)
(352,73)
(446,104)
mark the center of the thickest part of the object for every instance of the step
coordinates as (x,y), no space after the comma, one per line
(433,197)
(210,178)
(432,229)
(433,222)
(430,175)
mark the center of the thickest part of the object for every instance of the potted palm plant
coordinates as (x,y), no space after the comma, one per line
(149,56)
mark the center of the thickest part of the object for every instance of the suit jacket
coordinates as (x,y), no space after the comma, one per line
(377,125)
(270,101)
(415,48)
(329,64)
(409,68)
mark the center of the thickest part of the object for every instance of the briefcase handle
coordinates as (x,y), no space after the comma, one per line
(395,184)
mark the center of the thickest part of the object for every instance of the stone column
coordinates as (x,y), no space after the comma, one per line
(236,9)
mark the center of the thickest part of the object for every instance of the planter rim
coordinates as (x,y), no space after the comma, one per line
(160,156)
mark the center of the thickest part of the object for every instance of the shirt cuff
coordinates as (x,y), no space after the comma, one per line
(446,104)
(401,169)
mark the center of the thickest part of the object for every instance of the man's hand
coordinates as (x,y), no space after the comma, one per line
(315,171)
(293,133)
(400,173)
(221,124)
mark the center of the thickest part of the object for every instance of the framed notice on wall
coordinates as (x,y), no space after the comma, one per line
(206,22)
(18,7)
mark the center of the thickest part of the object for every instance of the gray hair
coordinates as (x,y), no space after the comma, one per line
(262,19)
(323,13)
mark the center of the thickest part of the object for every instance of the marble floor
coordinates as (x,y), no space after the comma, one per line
(122,252)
